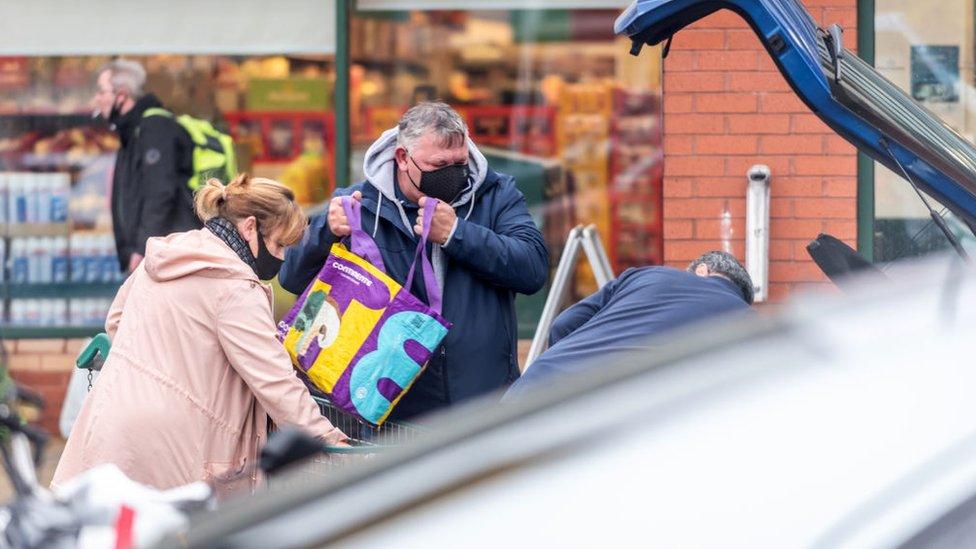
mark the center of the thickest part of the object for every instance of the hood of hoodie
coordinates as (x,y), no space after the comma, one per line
(198,252)
(379,164)
(378,167)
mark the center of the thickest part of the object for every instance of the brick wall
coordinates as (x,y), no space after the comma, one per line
(44,366)
(726,107)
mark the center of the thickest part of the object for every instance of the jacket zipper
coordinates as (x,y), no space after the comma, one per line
(447,391)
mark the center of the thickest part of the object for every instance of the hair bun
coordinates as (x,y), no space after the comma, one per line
(240,181)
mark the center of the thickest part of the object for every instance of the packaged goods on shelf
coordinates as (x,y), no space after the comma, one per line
(63,149)
(592,207)
(588,179)
(641,156)
(526,129)
(88,311)
(380,119)
(573,127)
(638,129)
(592,98)
(19,262)
(89,259)
(633,247)
(577,124)
(307,177)
(636,175)
(60,260)
(93,259)
(637,210)
(38,312)
(628,102)
(30,197)
(583,141)
(39,260)
(638,178)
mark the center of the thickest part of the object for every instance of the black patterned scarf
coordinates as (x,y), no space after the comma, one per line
(226,231)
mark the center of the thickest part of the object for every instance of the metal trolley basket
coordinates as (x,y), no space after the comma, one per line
(363,434)
(366,441)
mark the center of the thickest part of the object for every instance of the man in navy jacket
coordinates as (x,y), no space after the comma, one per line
(485,248)
(636,305)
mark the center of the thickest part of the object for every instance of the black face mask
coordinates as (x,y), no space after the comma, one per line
(115,114)
(444,184)
(266,266)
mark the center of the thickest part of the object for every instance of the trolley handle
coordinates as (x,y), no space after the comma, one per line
(357,447)
(94,354)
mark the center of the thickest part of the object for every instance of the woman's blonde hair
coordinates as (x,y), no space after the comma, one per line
(270,202)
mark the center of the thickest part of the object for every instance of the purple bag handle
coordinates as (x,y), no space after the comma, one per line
(430,281)
(360,243)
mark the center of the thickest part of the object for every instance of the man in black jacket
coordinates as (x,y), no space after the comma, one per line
(150,196)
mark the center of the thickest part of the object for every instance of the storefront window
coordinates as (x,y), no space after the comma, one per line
(550,96)
(56,162)
(928,53)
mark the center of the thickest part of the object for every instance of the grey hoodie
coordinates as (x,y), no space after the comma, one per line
(378,166)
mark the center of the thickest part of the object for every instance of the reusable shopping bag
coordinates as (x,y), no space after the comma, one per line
(357,334)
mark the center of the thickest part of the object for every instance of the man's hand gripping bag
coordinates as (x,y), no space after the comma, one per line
(356,333)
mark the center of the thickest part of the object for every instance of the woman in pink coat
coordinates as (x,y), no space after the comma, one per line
(195,369)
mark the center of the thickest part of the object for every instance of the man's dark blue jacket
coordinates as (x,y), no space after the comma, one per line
(495,251)
(623,315)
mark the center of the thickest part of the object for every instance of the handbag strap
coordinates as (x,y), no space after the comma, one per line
(360,243)
(434,297)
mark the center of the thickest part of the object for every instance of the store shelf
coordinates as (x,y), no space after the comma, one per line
(57,161)
(49,332)
(45,121)
(44,114)
(63,291)
(391,64)
(18,230)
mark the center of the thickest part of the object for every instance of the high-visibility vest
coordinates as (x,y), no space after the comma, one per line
(213,150)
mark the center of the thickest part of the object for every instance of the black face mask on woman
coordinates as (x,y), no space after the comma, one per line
(444,184)
(266,265)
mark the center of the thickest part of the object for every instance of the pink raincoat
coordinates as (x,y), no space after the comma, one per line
(194,371)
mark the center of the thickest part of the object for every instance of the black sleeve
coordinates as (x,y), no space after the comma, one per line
(162,146)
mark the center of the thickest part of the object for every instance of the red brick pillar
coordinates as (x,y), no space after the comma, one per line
(726,107)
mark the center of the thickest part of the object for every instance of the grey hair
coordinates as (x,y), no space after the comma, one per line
(727,265)
(126,75)
(432,117)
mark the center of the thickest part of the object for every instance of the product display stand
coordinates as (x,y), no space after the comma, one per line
(580,238)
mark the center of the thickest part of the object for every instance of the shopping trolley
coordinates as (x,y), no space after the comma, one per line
(365,439)
(363,433)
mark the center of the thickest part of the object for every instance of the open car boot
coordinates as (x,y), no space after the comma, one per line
(839,261)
